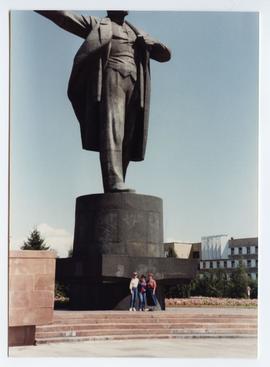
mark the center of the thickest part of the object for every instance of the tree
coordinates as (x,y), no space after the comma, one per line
(200,285)
(178,291)
(220,285)
(211,284)
(239,282)
(254,288)
(215,283)
(35,242)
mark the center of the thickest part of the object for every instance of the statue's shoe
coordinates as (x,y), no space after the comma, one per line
(121,187)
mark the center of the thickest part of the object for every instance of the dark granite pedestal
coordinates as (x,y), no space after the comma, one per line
(116,234)
(118,224)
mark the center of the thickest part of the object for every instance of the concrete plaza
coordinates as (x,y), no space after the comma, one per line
(175,348)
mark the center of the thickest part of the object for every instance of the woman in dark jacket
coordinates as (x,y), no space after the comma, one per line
(142,293)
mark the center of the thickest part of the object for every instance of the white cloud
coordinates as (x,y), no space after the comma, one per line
(58,239)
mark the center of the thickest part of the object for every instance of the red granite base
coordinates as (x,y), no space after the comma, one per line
(21,335)
(31,293)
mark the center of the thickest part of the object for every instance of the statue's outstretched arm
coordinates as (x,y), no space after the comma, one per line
(71,22)
(157,50)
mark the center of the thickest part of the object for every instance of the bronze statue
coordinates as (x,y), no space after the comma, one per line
(109,88)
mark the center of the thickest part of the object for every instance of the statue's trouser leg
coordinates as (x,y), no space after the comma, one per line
(132,111)
(116,97)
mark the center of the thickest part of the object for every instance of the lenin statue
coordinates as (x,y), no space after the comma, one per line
(109,88)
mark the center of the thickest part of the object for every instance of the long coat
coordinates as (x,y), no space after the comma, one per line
(85,83)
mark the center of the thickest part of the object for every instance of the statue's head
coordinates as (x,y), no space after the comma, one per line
(117,14)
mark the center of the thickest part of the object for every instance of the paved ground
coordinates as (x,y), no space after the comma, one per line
(180,348)
(175,348)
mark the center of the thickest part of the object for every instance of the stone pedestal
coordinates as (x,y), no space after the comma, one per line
(115,235)
(118,224)
(102,283)
(31,293)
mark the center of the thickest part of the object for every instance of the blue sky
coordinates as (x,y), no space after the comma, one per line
(201,156)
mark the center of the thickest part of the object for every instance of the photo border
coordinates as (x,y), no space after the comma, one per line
(261,6)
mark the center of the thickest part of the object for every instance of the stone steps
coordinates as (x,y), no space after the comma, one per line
(152,321)
(142,336)
(152,326)
(58,315)
(80,326)
(142,331)
(151,317)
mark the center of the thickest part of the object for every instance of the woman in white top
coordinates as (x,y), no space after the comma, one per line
(133,286)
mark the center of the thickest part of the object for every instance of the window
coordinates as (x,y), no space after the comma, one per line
(211,264)
(240,251)
(249,275)
(256,249)
(196,254)
(249,263)
(218,264)
(248,250)
(204,265)
(225,264)
(256,263)
(233,263)
(232,251)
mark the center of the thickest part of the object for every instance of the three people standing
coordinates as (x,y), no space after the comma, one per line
(141,288)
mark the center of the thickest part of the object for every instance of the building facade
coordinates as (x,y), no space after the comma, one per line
(183,250)
(219,252)
(235,250)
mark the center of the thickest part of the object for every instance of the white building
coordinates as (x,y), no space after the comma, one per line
(215,247)
(219,252)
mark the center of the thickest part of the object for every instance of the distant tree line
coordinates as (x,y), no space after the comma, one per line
(216,283)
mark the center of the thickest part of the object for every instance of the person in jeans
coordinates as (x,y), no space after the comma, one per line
(151,288)
(142,293)
(133,286)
